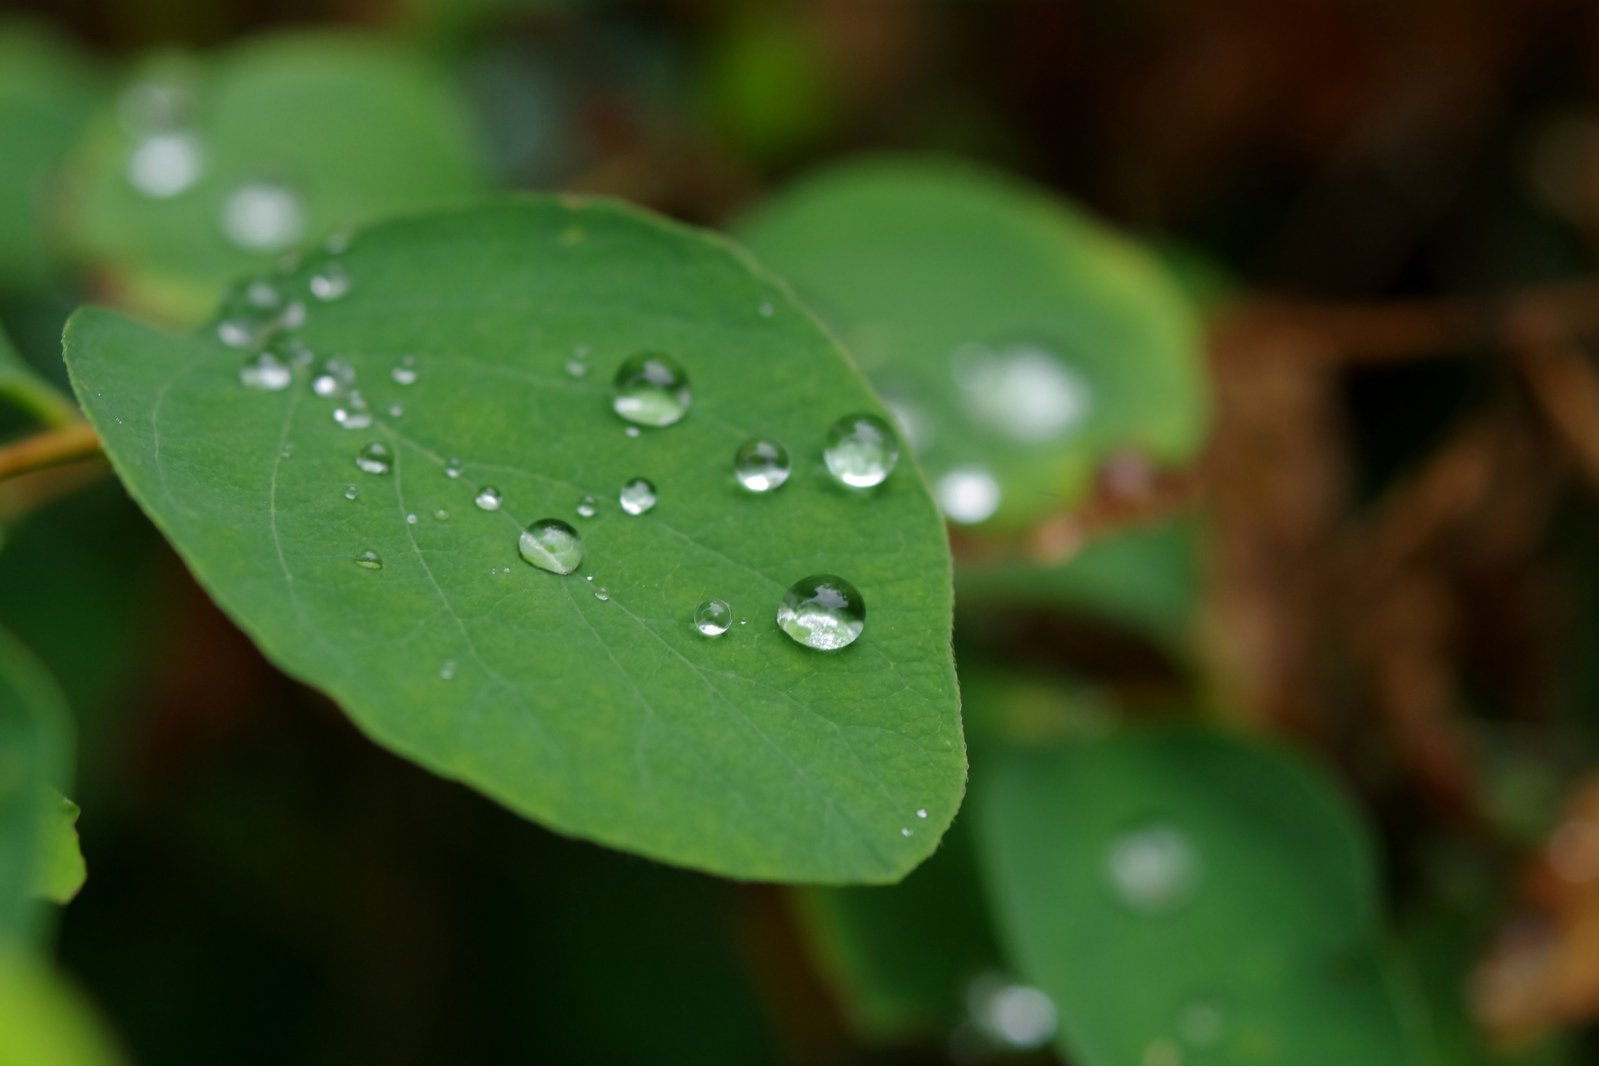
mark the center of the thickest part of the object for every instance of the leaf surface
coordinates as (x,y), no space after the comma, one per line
(612,719)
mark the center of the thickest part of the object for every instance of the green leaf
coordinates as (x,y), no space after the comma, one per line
(47,91)
(59,870)
(1188,896)
(43,1019)
(22,386)
(33,757)
(1012,333)
(614,720)
(346,129)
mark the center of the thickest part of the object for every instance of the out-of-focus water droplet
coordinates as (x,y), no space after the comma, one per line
(765,309)
(488,498)
(353,412)
(905,831)
(576,368)
(334,377)
(338,241)
(265,372)
(441,515)
(587,507)
(263,216)
(1012,1015)
(452,468)
(550,544)
(967,495)
(651,389)
(861,451)
(631,431)
(251,313)
(404,372)
(637,496)
(822,611)
(1025,392)
(712,617)
(370,560)
(287,450)
(1201,1023)
(375,458)
(921,812)
(163,165)
(761,465)
(330,281)
(1152,868)
(602,594)
(350,492)
(447,669)
(410,518)
(396,410)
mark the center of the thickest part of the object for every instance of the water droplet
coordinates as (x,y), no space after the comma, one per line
(861,451)
(651,390)
(396,410)
(1013,1015)
(265,372)
(967,495)
(822,611)
(488,498)
(637,496)
(761,465)
(350,492)
(1200,1023)
(921,812)
(587,507)
(602,594)
(1025,392)
(452,468)
(330,281)
(765,309)
(163,165)
(335,376)
(370,560)
(447,669)
(404,372)
(352,412)
(375,458)
(713,617)
(631,431)
(1152,868)
(442,515)
(287,450)
(576,368)
(550,544)
(263,217)
(410,519)
(251,313)
(905,831)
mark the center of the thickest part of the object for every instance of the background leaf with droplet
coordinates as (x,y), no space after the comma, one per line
(612,719)
(1124,871)
(326,130)
(1013,335)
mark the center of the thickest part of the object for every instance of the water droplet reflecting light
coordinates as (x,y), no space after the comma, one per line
(823,612)
(861,451)
(550,544)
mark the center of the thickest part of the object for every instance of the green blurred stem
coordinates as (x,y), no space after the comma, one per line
(65,444)
(37,397)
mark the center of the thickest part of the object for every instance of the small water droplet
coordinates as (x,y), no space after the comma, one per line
(370,560)
(712,617)
(1025,391)
(396,410)
(602,594)
(905,831)
(587,507)
(576,368)
(352,412)
(651,390)
(452,468)
(761,465)
(550,544)
(442,515)
(766,309)
(350,492)
(1152,867)
(823,612)
(404,372)
(164,164)
(861,451)
(637,496)
(334,377)
(265,372)
(375,458)
(631,431)
(410,519)
(286,450)
(263,216)
(447,669)
(921,812)
(488,498)
(967,495)
(330,281)
(251,313)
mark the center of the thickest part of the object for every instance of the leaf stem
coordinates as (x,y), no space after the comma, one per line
(64,444)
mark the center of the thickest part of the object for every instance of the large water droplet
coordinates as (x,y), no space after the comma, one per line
(404,372)
(967,495)
(1152,867)
(587,507)
(369,560)
(550,544)
(651,390)
(263,216)
(761,465)
(861,451)
(822,611)
(265,372)
(1012,1015)
(163,165)
(488,498)
(1025,392)
(713,617)
(330,281)
(375,458)
(637,496)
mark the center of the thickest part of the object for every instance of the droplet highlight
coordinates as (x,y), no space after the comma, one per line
(861,451)
(587,507)
(488,498)
(636,496)
(822,611)
(713,617)
(1152,868)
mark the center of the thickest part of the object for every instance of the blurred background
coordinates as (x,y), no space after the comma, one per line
(1383,554)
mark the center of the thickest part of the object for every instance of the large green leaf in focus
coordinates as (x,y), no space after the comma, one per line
(1014,336)
(33,759)
(44,1020)
(279,138)
(47,92)
(607,718)
(1190,897)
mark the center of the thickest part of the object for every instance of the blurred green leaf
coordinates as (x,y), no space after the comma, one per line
(47,92)
(22,386)
(59,872)
(43,1020)
(209,167)
(33,758)
(613,720)
(1186,896)
(1015,337)
(767,83)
